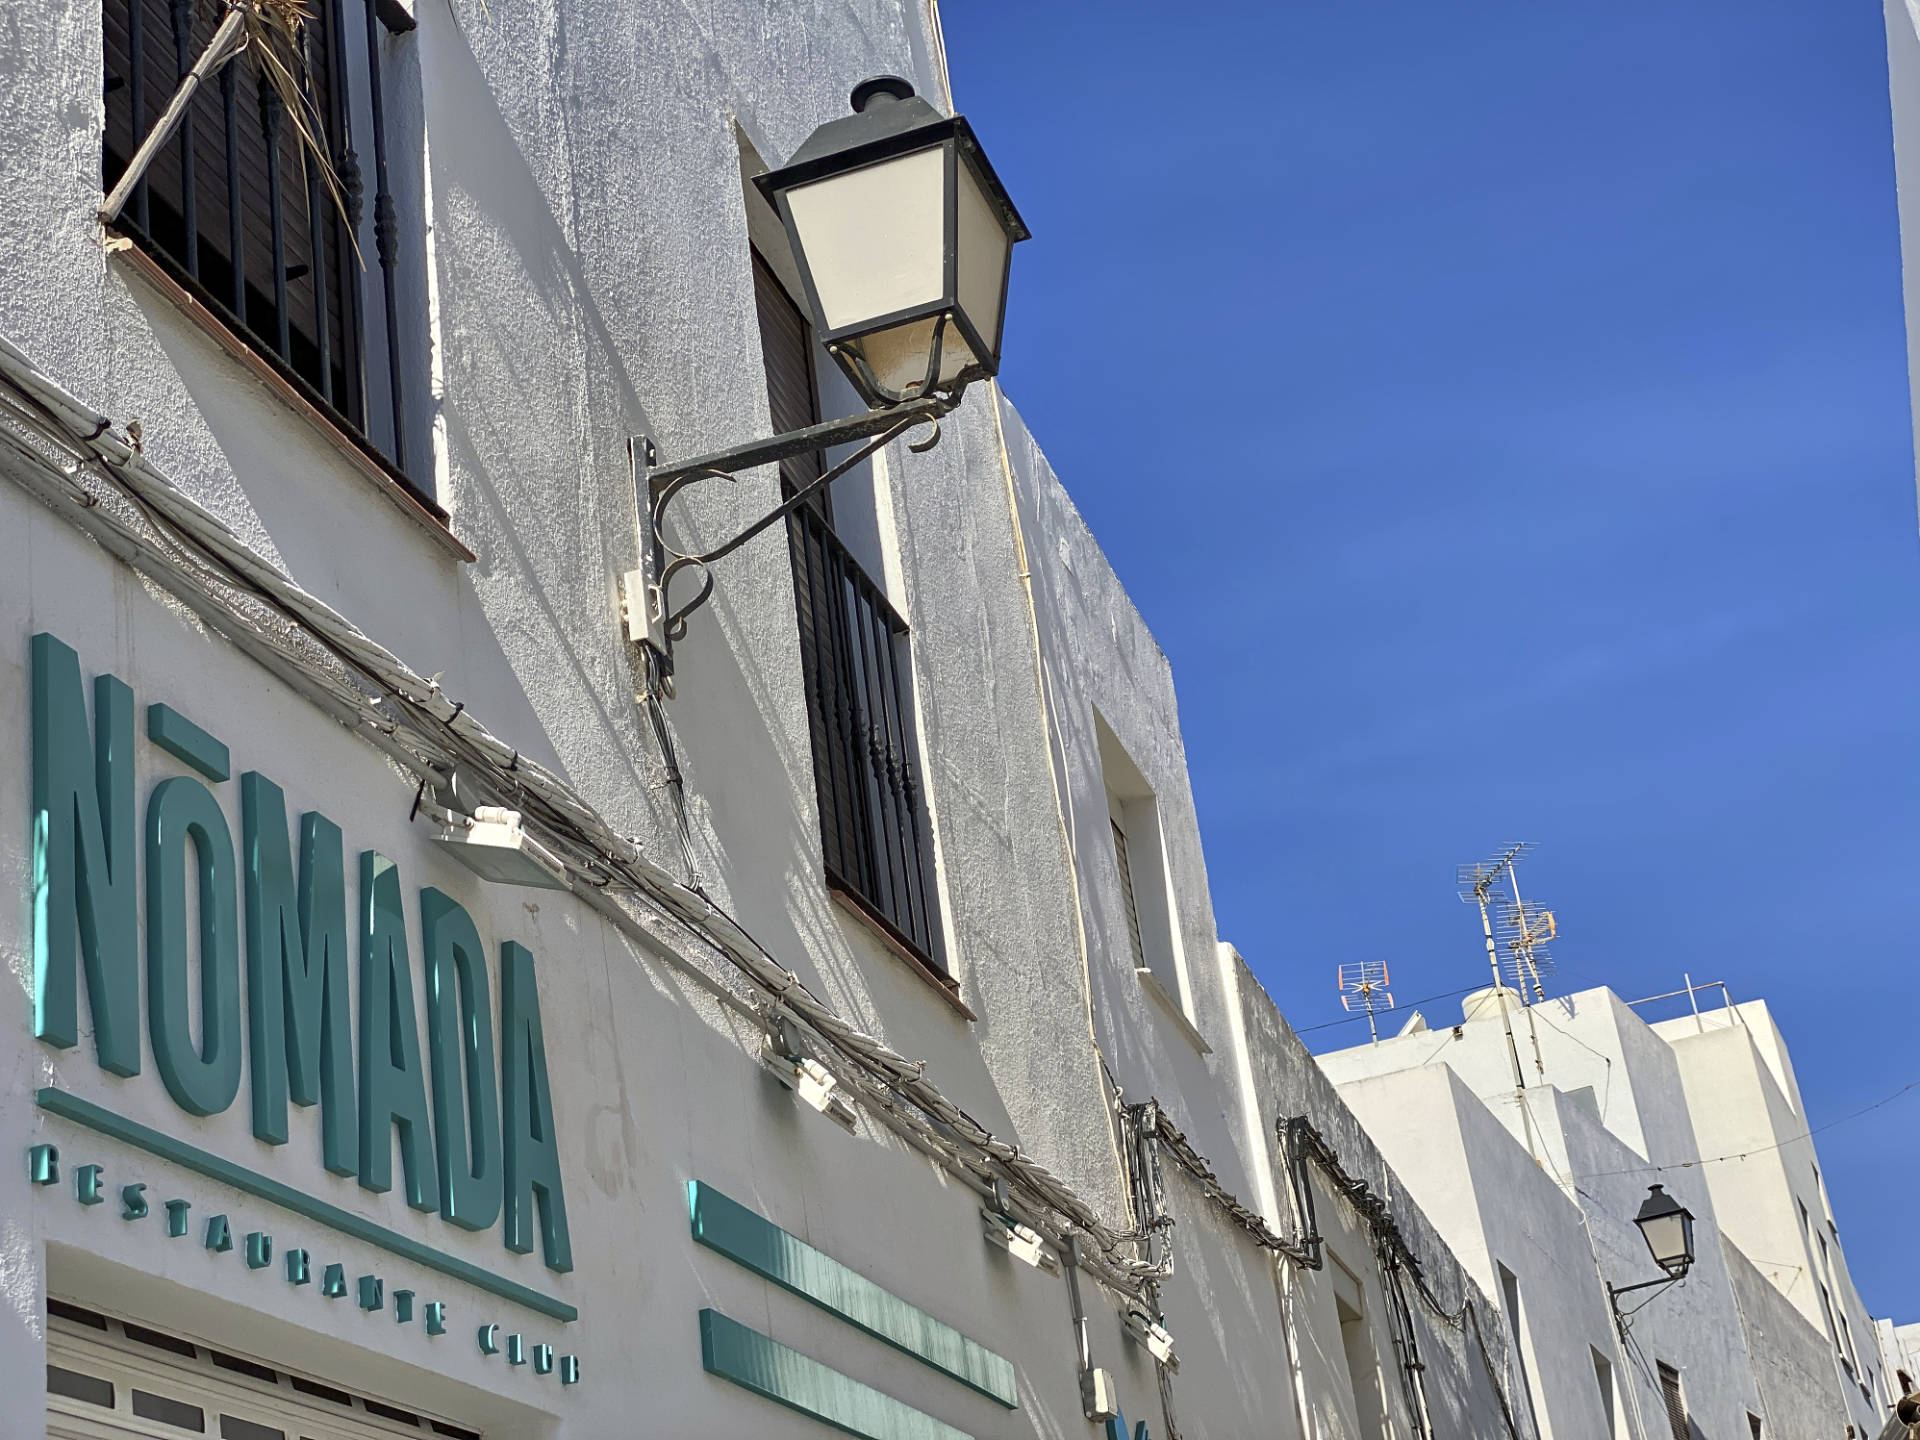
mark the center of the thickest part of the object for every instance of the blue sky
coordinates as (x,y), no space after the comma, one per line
(1499,413)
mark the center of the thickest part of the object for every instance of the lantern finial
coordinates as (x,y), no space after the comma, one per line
(881,89)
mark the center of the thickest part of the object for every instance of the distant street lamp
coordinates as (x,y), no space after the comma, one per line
(904,237)
(1667,1227)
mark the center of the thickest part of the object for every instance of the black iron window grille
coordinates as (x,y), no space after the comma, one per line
(854,663)
(237,212)
(872,815)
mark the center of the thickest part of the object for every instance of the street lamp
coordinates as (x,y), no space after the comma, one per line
(903,236)
(1667,1227)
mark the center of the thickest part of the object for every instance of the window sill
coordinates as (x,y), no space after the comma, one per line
(171,291)
(945,986)
(1150,982)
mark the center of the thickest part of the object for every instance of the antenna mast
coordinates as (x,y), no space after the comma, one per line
(1477,884)
(1525,928)
(1363,986)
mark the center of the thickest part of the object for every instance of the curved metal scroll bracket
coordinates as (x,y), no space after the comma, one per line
(869,383)
(652,616)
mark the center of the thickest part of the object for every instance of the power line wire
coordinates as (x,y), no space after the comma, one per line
(1759,1149)
(1411,1004)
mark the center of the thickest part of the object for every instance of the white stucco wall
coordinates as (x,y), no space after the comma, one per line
(1496,1208)
(1563,1230)
(577,271)
(1746,1106)
(1571,1042)
(1283,1080)
(1899,1350)
(1792,1361)
(1667,1097)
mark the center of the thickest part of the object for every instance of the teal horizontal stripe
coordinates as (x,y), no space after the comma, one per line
(184,740)
(766,1367)
(764,1248)
(189,1157)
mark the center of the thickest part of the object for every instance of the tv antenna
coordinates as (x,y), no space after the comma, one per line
(1517,930)
(1516,949)
(1363,986)
(1524,927)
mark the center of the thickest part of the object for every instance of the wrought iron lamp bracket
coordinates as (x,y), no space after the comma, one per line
(1614,1292)
(652,617)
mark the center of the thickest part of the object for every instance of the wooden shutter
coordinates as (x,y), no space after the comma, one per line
(786,341)
(1126,893)
(1677,1422)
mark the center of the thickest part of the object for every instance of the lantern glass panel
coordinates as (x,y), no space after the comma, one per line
(983,246)
(898,356)
(873,240)
(1668,1238)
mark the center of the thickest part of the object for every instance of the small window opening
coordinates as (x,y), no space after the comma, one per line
(1147,914)
(1516,1324)
(1131,906)
(1609,1395)
(1357,1349)
(1676,1402)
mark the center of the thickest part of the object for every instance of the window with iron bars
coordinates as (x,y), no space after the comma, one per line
(238,212)
(854,662)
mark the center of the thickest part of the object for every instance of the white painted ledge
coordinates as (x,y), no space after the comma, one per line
(1150,982)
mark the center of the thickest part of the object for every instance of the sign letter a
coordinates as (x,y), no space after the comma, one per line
(532,1151)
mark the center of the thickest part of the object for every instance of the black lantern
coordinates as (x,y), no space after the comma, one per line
(1668,1228)
(903,235)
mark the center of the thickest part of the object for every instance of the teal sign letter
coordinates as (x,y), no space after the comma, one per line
(298,1010)
(393,1093)
(533,1153)
(202,1081)
(83,882)
(466,1105)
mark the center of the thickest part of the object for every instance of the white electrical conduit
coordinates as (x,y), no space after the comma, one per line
(53,446)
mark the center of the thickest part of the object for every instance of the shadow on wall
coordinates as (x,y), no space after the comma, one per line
(540,400)
(477,158)
(538,406)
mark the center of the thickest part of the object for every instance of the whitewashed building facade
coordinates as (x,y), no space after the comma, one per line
(311,580)
(1534,1179)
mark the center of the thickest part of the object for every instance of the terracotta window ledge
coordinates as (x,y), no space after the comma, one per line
(943,985)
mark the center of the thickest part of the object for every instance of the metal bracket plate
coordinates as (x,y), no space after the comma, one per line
(641,609)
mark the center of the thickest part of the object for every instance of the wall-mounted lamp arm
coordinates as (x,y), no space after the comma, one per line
(1614,1292)
(1618,1290)
(649,616)
(802,442)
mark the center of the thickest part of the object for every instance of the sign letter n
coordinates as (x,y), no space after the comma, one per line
(84,914)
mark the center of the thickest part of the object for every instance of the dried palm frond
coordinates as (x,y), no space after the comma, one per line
(273,36)
(276,44)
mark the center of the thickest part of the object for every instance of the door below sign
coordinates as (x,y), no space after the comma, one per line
(111,1379)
